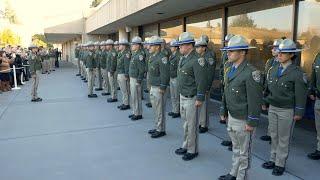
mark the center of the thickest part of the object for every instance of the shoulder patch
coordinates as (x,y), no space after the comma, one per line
(140,57)
(211,61)
(201,62)
(128,55)
(164,60)
(305,78)
(256,75)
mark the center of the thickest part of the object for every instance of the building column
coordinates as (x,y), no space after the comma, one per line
(123,34)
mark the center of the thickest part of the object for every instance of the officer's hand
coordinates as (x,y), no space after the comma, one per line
(162,91)
(223,118)
(264,107)
(312,97)
(198,103)
(297,118)
(248,128)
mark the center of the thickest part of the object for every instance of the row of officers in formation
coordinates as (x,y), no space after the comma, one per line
(187,69)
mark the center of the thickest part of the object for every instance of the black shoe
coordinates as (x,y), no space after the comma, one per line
(125,107)
(83,78)
(152,131)
(118,88)
(76,74)
(268,165)
(92,96)
(36,100)
(131,115)
(265,138)
(98,89)
(222,122)
(134,117)
(105,94)
(226,143)
(189,156)
(203,130)
(110,100)
(175,115)
(170,113)
(315,155)
(120,106)
(146,91)
(227,177)
(278,171)
(149,105)
(85,81)
(181,151)
(158,134)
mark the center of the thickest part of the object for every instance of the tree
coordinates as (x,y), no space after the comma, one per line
(40,40)
(95,3)
(8,37)
(243,20)
(10,14)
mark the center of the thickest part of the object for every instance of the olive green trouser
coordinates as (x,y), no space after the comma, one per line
(91,77)
(113,84)
(105,81)
(136,101)
(124,85)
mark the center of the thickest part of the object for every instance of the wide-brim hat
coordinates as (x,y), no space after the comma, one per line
(154,40)
(201,42)
(276,43)
(136,40)
(174,43)
(186,38)
(288,46)
(123,42)
(237,42)
(109,42)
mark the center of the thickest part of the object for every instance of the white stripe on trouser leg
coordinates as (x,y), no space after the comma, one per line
(241,147)
(189,116)
(124,88)
(158,101)
(112,83)
(135,90)
(175,99)
(281,127)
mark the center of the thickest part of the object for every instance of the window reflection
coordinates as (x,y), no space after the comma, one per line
(309,32)
(210,24)
(171,29)
(261,22)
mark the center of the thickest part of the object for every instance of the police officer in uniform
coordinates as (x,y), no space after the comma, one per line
(85,59)
(136,74)
(104,71)
(158,69)
(174,62)
(240,105)
(97,56)
(91,65)
(224,61)
(286,97)
(271,63)
(209,56)
(315,95)
(111,68)
(192,85)
(123,62)
(146,47)
(77,53)
(35,68)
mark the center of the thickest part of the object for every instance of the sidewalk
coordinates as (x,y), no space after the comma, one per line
(71,137)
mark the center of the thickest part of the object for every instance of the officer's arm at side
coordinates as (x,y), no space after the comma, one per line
(300,88)
(201,80)
(254,97)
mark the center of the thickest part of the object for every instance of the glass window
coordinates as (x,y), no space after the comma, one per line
(171,29)
(261,22)
(150,30)
(210,24)
(309,32)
